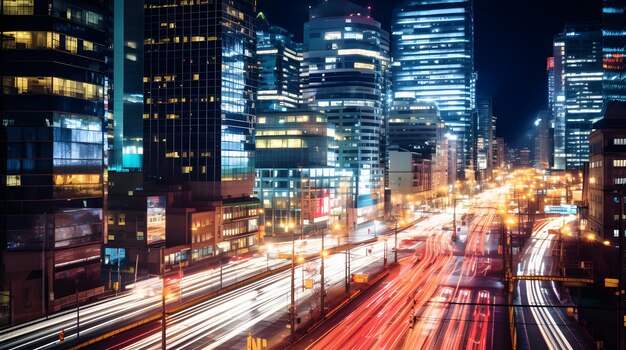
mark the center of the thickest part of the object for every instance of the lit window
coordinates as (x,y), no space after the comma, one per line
(121,219)
(88,46)
(111,220)
(17,7)
(14,180)
(71,44)
(620,141)
(332,35)
(619,163)
(111,237)
(196,77)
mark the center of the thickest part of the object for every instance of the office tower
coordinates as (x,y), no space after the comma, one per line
(499,154)
(582,88)
(414,126)
(485,134)
(296,179)
(433,59)
(607,170)
(198,116)
(52,140)
(279,58)
(557,101)
(346,58)
(614,49)
(543,145)
(125,124)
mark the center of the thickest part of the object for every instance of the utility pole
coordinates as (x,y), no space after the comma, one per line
(163,340)
(395,243)
(621,317)
(322,290)
(292,307)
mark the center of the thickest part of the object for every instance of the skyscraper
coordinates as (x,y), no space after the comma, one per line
(125,125)
(199,111)
(346,58)
(614,49)
(52,142)
(485,135)
(557,99)
(582,88)
(433,59)
(279,58)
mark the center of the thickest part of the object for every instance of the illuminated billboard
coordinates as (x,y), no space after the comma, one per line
(155,219)
(321,208)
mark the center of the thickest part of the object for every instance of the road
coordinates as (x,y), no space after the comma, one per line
(462,273)
(544,327)
(144,299)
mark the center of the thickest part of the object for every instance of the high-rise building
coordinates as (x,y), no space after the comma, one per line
(125,124)
(607,170)
(346,59)
(296,178)
(433,59)
(582,88)
(614,49)
(557,100)
(52,142)
(199,114)
(485,135)
(279,58)
(414,126)
(544,147)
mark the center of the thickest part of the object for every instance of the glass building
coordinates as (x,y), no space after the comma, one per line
(296,178)
(614,49)
(485,135)
(346,59)
(582,88)
(556,91)
(125,124)
(433,60)
(199,112)
(52,146)
(279,58)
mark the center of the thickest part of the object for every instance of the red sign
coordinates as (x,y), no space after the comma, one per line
(321,207)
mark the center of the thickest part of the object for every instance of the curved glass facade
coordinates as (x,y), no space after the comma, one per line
(346,61)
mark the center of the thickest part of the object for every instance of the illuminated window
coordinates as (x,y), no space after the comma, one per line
(332,35)
(121,219)
(359,65)
(140,236)
(88,46)
(71,44)
(619,163)
(111,219)
(18,7)
(621,141)
(111,237)
(187,169)
(196,77)
(14,180)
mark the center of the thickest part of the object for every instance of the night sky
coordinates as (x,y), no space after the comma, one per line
(512,41)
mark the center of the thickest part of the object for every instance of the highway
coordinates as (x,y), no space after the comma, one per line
(544,327)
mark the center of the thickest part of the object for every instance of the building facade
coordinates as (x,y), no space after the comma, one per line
(433,59)
(485,135)
(614,50)
(346,60)
(607,171)
(557,99)
(52,142)
(543,136)
(279,59)
(296,178)
(582,88)
(199,113)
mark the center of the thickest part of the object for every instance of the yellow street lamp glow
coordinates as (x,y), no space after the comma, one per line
(607,243)
(324,253)
(591,237)
(300,259)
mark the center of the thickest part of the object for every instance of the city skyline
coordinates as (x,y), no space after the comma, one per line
(502,41)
